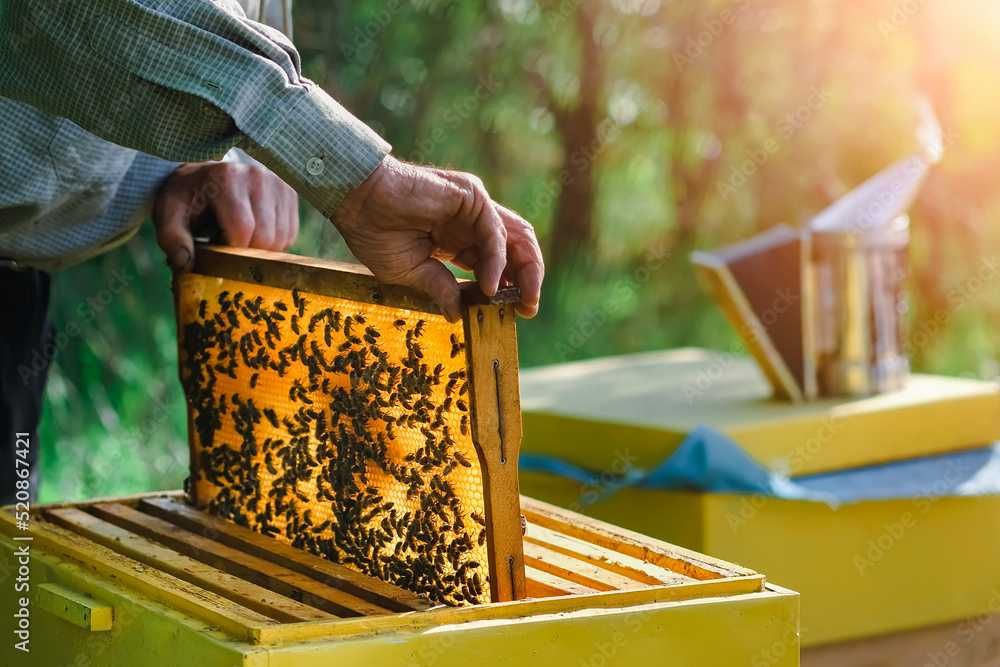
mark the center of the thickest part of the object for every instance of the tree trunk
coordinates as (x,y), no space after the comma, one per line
(573,224)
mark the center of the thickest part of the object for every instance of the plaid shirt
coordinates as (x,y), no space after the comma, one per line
(181,80)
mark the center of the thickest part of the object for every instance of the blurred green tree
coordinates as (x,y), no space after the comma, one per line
(629,132)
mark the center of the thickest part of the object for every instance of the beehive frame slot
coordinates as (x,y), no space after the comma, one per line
(332,574)
(146,551)
(584,551)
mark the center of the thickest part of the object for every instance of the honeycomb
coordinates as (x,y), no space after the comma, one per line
(340,427)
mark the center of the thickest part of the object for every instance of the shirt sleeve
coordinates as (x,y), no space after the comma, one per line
(185,80)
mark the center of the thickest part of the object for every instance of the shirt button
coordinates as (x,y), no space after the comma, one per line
(315,166)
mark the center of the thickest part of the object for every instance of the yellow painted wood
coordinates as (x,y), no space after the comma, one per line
(76,608)
(753,630)
(157,585)
(633,411)
(499,611)
(913,563)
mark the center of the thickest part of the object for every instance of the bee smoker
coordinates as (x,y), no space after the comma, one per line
(858,280)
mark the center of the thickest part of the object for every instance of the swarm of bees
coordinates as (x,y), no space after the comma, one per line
(341,429)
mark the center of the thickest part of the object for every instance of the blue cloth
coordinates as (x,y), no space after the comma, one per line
(710,461)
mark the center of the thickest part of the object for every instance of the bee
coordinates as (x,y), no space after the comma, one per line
(315,319)
(399,324)
(460,457)
(201,308)
(419,329)
(300,303)
(281,305)
(253,380)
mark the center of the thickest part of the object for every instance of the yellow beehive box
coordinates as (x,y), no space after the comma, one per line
(912,563)
(587,412)
(908,563)
(154,581)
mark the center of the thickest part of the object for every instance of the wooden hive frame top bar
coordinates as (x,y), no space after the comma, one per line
(490,366)
(345,280)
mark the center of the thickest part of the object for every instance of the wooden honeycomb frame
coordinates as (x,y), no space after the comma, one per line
(491,366)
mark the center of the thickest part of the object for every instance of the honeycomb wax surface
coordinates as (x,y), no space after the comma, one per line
(338,426)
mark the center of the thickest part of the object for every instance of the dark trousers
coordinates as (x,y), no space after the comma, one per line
(25,352)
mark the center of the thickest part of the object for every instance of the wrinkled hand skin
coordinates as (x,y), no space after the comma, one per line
(253,207)
(405,220)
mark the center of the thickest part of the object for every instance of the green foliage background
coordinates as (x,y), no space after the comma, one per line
(629,132)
